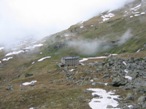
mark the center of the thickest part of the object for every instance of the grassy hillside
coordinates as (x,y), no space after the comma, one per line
(53,90)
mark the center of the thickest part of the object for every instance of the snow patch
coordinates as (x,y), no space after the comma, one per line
(71,70)
(130,106)
(124,63)
(138,50)
(105,84)
(1,48)
(137,15)
(83,60)
(33,63)
(142,13)
(126,71)
(105,98)
(136,8)
(7,59)
(34,46)
(29,83)
(107,16)
(15,53)
(31,108)
(100,57)
(128,77)
(42,59)
(81,26)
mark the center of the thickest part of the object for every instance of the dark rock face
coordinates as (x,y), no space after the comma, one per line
(119,81)
(28,74)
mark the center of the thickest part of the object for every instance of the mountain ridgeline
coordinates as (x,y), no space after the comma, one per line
(118,31)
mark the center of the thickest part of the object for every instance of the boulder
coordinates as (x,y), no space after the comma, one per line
(130,96)
(141,99)
(119,81)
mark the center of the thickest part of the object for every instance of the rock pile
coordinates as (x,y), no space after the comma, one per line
(128,74)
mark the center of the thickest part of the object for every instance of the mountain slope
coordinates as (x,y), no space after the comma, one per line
(120,32)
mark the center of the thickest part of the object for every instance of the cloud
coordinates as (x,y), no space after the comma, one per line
(93,46)
(88,47)
(125,37)
(38,18)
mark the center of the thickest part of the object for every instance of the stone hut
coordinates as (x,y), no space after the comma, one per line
(70,61)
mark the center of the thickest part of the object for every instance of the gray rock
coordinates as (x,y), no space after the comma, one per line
(119,81)
(141,99)
(144,105)
(109,107)
(130,96)
(28,74)
(9,88)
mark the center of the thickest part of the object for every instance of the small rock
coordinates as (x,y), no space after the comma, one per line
(130,96)
(141,99)
(119,81)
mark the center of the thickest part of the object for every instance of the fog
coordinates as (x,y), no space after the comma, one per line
(126,36)
(92,46)
(87,47)
(35,19)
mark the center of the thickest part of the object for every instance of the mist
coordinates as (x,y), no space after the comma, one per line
(93,46)
(125,37)
(35,19)
(87,47)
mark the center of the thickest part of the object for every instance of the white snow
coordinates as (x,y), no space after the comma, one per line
(112,55)
(105,98)
(138,50)
(91,80)
(126,71)
(128,77)
(1,48)
(105,84)
(33,63)
(135,11)
(15,53)
(99,57)
(124,63)
(136,8)
(29,83)
(82,26)
(137,15)
(34,46)
(84,59)
(107,16)
(130,106)
(7,59)
(42,59)
(31,108)
(66,35)
(142,13)
(71,70)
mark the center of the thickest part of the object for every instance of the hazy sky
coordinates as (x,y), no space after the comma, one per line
(38,18)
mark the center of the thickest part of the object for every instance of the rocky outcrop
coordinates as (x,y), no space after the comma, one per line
(128,74)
